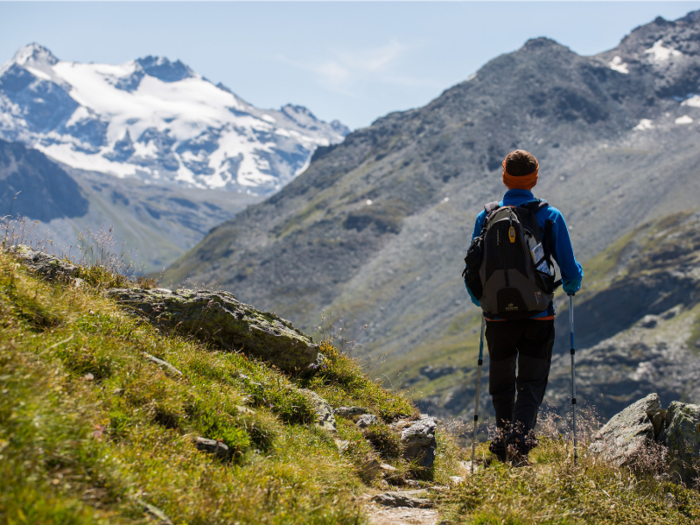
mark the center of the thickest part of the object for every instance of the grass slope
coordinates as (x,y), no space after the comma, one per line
(92,431)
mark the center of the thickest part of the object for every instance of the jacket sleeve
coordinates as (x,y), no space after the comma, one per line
(571,270)
(475,233)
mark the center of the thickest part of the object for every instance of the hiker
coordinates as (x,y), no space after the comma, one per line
(519,323)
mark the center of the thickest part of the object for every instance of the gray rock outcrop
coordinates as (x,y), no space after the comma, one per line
(681,436)
(627,434)
(646,425)
(349,412)
(45,265)
(366,420)
(219,318)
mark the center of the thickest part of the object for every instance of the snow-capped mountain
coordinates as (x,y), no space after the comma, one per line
(155,120)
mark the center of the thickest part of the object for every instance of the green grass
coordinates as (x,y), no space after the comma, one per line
(555,491)
(90,428)
(92,431)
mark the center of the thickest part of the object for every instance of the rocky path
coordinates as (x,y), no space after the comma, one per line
(401,507)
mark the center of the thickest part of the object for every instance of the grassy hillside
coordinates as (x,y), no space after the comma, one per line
(92,430)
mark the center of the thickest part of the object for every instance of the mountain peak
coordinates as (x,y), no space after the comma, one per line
(34,53)
(542,43)
(163,69)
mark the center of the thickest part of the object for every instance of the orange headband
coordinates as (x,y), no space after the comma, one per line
(524,182)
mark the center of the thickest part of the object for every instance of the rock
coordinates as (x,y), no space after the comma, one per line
(47,266)
(658,420)
(649,321)
(162,363)
(342,445)
(418,442)
(219,318)
(366,420)
(456,480)
(682,438)
(387,468)
(370,469)
(324,411)
(349,412)
(153,511)
(399,499)
(627,434)
(212,446)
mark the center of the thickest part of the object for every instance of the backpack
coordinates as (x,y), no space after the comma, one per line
(508,266)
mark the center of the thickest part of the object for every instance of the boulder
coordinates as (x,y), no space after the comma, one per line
(418,441)
(682,438)
(324,411)
(628,433)
(43,264)
(219,318)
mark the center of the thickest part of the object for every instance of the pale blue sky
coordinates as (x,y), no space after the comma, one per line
(354,61)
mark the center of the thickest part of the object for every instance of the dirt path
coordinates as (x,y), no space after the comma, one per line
(379,515)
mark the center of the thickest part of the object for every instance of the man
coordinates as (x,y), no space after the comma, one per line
(530,340)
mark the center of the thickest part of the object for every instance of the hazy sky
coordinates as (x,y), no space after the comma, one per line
(354,61)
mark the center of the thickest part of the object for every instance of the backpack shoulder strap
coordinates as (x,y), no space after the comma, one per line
(491,206)
(535,205)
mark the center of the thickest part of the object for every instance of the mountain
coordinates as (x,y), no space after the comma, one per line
(40,188)
(157,223)
(375,230)
(154,120)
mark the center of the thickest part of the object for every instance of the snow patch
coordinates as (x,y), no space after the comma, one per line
(368,202)
(693,102)
(645,123)
(685,119)
(187,131)
(616,64)
(659,53)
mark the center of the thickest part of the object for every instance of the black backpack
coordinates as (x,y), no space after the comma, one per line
(508,266)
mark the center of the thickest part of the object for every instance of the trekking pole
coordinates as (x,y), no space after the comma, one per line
(478,387)
(573,371)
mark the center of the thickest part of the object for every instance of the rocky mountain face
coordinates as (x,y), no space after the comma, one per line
(45,191)
(375,230)
(156,121)
(153,224)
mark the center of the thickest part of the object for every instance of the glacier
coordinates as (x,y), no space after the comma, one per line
(157,121)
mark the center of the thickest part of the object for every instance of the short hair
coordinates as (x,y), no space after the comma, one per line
(520,162)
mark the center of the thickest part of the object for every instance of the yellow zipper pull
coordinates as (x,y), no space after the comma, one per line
(511,234)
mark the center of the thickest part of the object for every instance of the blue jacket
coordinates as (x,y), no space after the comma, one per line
(571,270)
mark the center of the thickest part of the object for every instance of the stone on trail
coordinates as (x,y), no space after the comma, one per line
(682,438)
(628,433)
(219,318)
(399,499)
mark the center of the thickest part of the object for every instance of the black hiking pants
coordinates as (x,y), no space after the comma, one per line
(529,342)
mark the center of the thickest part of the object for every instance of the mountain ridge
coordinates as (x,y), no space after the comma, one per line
(375,230)
(156,120)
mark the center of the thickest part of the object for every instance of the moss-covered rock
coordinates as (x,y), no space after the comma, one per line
(219,318)
(682,437)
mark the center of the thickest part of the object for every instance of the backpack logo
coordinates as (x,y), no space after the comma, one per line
(511,307)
